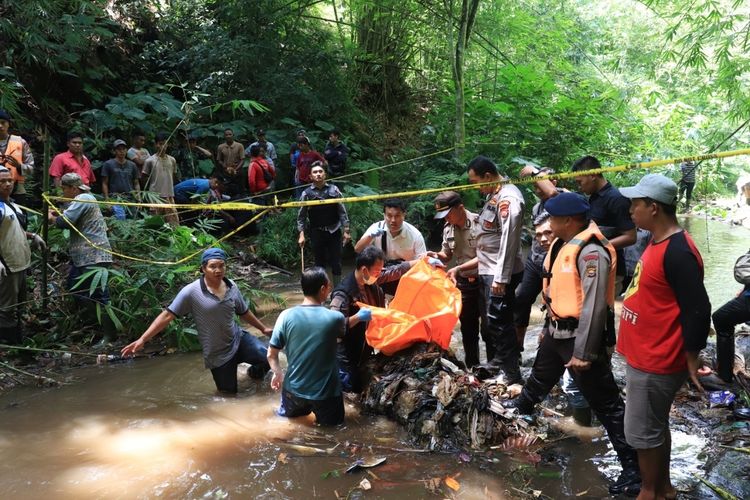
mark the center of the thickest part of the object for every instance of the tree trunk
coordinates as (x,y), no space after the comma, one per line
(459,31)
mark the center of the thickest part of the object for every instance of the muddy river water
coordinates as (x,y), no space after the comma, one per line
(155,428)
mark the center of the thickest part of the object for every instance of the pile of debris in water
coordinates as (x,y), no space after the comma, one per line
(443,406)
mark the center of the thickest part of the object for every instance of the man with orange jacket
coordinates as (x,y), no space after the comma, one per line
(15,155)
(578,288)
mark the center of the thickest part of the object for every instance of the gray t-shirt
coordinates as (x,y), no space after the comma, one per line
(121,176)
(218,333)
(160,171)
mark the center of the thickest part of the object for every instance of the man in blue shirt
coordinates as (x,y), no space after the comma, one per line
(609,209)
(308,334)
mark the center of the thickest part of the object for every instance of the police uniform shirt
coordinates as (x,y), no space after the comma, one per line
(460,242)
(498,234)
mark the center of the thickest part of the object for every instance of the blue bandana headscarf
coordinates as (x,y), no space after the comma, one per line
(213,253)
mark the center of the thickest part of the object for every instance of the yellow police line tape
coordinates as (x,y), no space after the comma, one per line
(360,172)
(404,194)
(242,205)
(149,261)
(419,192)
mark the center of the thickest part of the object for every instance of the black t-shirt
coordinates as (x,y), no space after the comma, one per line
(611,212)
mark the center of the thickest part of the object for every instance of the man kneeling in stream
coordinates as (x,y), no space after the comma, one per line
(308,334)
(213,300)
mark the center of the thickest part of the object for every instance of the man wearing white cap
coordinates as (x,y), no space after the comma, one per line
(664,324)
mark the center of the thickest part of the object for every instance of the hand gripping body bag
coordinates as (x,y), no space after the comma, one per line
(425,308)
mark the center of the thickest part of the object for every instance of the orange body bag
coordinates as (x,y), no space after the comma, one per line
(425,309)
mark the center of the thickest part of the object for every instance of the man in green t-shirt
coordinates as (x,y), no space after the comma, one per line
(308,334)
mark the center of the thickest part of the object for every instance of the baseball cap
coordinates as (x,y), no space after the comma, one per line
(655,186)
(74,180)
(119,142)
(567,204)
(445,201)
(4,115)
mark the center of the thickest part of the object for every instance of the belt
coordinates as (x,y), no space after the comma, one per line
(568,324)
(468,279)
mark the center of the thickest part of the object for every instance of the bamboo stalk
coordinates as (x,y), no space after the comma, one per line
(721,492)
(735,448)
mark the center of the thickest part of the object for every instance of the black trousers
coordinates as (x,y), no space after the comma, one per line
(687,188)
(729,315)
(498,331)
(252,350)
(470,318)
(527,292)
(327,249)
(597,384)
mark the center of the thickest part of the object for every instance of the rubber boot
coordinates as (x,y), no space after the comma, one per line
(109,330)
(522,403)
(725,355)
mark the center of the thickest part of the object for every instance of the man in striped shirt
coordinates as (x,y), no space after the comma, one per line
(213,300)
(687,181)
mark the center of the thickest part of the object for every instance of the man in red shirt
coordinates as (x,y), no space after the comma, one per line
(73,160)
(664,324)
(260,175)
(304,164)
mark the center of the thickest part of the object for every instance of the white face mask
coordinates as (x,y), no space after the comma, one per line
(370,280)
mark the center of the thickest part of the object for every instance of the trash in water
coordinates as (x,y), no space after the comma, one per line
(365,484)
(366,463)
(451,483)
(720,398)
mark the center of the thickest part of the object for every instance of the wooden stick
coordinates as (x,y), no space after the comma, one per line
(28,374)
(37,349)
(302,261)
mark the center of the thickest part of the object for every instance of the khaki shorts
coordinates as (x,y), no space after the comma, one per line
(648,401)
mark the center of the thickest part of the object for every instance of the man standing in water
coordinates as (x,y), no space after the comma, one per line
(664,325)
(308,334)
(213,301)
(579,280)
(326,223)
(498,235)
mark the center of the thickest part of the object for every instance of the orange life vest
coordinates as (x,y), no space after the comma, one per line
(14,149)
(562,290)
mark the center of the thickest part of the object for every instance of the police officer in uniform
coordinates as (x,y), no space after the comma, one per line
(459,240)
(578,289)
(498,235)
(325,223)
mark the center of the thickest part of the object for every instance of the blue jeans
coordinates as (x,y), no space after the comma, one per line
(251,350)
